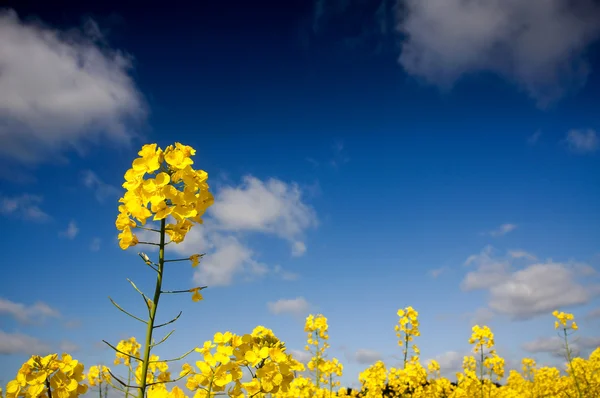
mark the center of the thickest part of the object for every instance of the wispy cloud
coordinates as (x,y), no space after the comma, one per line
(28,313)
(18,343)
(296,306)
(68,346)
(434,273)
(24,206)
(582,141)
(285,275)
(556,345)
(502,230)
(90,94)
(365,356)
(340,155)
(593,314)
(534,138)
(95,244)
(71,231)
(447,39)
(102,190)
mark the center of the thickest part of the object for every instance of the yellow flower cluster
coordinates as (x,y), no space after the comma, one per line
(320,382)
(406,330)
(261,351)
(63,376)
(562,319)
(173,189)
(481,337)
(127,349)
(98,375)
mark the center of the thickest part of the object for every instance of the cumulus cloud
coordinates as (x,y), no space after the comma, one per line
(366,357)
(296,306)
(23,206)
(538,44)
(60,90)
(17,343)
(582,141)
(270,206)
(536,289)
(71,231)
(101,190)
(27,313)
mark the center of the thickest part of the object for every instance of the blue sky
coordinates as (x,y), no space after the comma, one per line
(356,169)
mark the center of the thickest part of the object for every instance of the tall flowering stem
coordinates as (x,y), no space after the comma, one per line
(152,316)
(176,195)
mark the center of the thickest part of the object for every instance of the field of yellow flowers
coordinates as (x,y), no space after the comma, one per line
(163,186)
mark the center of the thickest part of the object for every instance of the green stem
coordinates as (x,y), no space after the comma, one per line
(150,327)
(49,389)
(570,359)
(129,371)
(481,371)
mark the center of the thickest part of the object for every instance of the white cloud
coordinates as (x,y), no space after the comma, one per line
(60,90)
(27,314)
(297,306)
(285,275)
(101,190)
(272,207)
(301,356)
(24,206)
(502,230)
(298,249)
(17,343)
(228,258)
(95,245)
(450,363)
(366,357)
(537,44)
(536,289)
(582,141)
(71,231)
(556,345)
(522,254)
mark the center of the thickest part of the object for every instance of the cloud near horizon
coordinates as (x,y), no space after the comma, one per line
(533,290)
